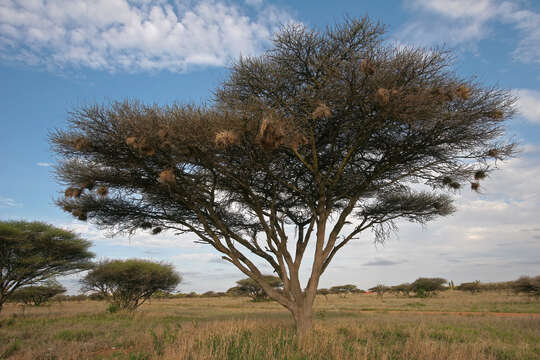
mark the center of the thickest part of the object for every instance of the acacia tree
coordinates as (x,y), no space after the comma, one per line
(251,288)
(129,283)
(343,289)
(427,286)
(328,134)
(38,294)
(33,252)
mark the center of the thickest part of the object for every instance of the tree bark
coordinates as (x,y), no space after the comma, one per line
(303,317)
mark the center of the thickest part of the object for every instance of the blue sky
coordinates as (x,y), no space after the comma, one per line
(56,55)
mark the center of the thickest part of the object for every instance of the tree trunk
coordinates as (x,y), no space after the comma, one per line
(303,317)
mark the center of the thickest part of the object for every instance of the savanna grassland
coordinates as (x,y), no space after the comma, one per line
(451,325)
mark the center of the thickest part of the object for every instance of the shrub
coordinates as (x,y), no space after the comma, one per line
(424,287)
(527,285)
(129,283)
(472,287)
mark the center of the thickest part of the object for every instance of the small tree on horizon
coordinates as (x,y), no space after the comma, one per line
(327,135)
(424,287)
(343,289)
(38,294)
(33,252)
(251,288)
(129,283)
(527,285)
(404,289)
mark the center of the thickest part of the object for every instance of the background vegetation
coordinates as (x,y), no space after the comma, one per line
(452,325)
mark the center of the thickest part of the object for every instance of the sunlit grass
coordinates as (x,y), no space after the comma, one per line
(352,327)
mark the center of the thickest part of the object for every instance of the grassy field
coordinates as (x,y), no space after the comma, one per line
(452,325)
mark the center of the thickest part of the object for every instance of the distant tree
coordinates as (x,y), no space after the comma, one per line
(32,252)
(424,287)
(472,287)
(251,288)
(38,294)
(343,289)
(129,283)
(401,289)
(380,289)
(527,285)
(323,292)
(234,291)
(328,128)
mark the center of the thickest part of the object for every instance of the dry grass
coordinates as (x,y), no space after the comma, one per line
(354,327)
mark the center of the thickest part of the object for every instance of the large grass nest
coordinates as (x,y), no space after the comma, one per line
(271,134)
(382,96)
(463,92)
(367,67)
(321,111)
(141,145)
(81,144)
(497,114)
(226,138)
(102,191)
(73,192)
(167,177)
(297,140)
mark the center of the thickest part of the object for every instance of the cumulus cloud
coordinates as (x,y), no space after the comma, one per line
(124,35)
(199,257)
(458,22)
(528,104)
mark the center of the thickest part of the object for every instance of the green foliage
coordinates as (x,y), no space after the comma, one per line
(129,283)
(343,289)
(251,288)
(380,289)
(113,308)
(323,292)
(403,289)
(38,295)
(32,252)
(424,287)
(527,285)
(472,287)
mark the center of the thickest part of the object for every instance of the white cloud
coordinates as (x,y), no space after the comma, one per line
(8,202)
(44,164)
(199,257)
(458,22)
(528,104)
(125,35)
